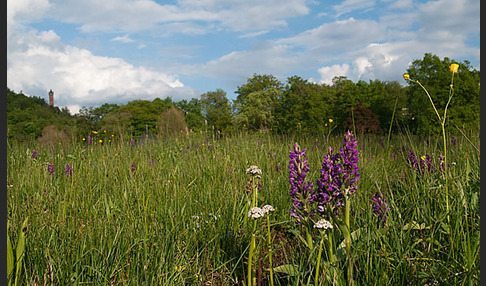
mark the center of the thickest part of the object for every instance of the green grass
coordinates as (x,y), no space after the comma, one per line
(181,221)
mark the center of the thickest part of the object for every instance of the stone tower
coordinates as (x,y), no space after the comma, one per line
(51,98)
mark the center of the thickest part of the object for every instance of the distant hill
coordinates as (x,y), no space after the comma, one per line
(27,116)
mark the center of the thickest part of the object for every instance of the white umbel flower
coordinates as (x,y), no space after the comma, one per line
(254,171)
(323,224)
(268,208)
(256,212)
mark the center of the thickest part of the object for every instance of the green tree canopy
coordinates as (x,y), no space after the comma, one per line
(434,74)
(217,110)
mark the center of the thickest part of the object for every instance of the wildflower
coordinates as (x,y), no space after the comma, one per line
(90,140)
(330,120)
(132,142)
(34,154)
(329,185)
(254,171)
(323,224)
(134,167)
(301,191)
(51,169)
(380,206)
(406,76)
(69,170)
(454,68)
(151,163)
(349,156)
(256,212)
(101,141)
(339,175)
(95,132)
(453,141)
(268,208)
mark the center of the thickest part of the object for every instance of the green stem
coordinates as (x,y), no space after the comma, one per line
(270,250)
(319,259)
(347,237)
(250,255)
(391,123)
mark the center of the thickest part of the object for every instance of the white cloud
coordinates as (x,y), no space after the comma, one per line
(135,16)
(38,62)
(339,36)
(124,39)
(348,6)
(327,73)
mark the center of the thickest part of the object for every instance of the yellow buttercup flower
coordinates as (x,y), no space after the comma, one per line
(422,158)
(454,68)
(330,120)
(101,141)
(94,132)
(406,76)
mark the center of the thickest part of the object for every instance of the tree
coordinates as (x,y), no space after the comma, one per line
(257,112)
(171,123)
(192,112)
(434,74)
(256,83)
(217,110)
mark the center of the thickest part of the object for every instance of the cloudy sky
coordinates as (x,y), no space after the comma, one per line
(113,51)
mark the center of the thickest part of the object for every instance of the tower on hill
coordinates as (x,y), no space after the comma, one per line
(51,98)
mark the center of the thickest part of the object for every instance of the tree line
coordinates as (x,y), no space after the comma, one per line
(266,103)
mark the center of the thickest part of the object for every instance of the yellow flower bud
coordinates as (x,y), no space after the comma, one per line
(454,68)
(406,76)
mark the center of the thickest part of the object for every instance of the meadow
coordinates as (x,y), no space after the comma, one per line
(174,211)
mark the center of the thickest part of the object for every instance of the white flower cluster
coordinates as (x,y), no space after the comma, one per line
(257,212)
(254,171)
(324,224)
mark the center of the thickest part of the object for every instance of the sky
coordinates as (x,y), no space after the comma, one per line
(114,51)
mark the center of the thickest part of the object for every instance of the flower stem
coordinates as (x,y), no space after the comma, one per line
(250,255)
(270,250)
(319,259)
(347,237)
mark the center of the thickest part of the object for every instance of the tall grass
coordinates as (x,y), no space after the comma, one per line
(172,211)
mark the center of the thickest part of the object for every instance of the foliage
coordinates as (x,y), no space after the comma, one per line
(298,106)
(217,110)
(28,116)
(172,213)
(434,73)
(171,123)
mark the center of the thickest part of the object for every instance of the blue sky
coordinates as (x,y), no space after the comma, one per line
(114,51)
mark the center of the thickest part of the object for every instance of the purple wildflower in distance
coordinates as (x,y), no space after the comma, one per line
(301,191)
(134,167)
(380,206)
(50,169)
(90,140)
(34,154)
(453,141)
(132,142)
(69,170)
